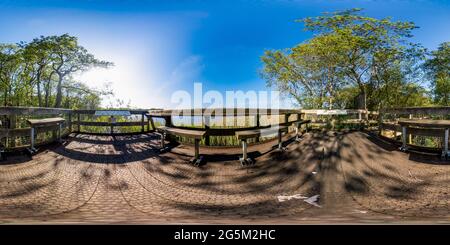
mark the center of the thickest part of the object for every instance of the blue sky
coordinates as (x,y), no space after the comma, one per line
(159,47)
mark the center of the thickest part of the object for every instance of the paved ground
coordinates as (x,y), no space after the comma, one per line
(99,179)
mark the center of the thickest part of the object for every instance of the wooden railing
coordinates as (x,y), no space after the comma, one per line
(341,118)
(423,138)
(15,132)
(287,117)
(82,118)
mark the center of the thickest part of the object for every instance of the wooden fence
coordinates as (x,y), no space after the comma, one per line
(15,132)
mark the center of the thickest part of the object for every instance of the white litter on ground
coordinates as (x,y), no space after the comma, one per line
(314,172)
(310,200)
(361,211)
(313,200)
(287,198)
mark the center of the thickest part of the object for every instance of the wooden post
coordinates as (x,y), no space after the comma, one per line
(404,135)
(152,123)
(169,123)
(257,125)
(78,120)
(410,136)
(12,125)
(207,122)
(69,123)
(142,123)
(32,138)
(112,127)
(445,151)
(168,120)
(380,121)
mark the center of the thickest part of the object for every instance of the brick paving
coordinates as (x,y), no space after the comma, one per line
(103,179)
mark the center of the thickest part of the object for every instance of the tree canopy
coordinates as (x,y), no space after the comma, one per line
(354,61)
(438,70)
(40,73)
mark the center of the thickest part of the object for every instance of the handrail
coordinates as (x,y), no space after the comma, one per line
(11,116)
(22,110)
(337,111)
(222,112)
(92,112)
(435,110)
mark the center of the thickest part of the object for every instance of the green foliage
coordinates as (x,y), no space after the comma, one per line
(353,61)
(39,73)
(438,69)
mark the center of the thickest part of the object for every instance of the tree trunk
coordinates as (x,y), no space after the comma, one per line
(59,92)
(38,86)
(67,102)
(39,94)
(366,115)
(47,94)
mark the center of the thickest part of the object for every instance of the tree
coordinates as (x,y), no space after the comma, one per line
(39,73)
(438,68)
(348,51)
(9,71)
(308,72)
(69,57)
(38,54)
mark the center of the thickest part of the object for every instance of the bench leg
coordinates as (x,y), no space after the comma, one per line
(280,141)
(297,134)
(163,143)
(59,131)
(245,160)
(244,149)
(197,160)
(197,148)
(32,138)
(32,141)
(404,136)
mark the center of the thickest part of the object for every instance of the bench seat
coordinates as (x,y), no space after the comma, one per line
(36,123)
(45,121)
(247,134)
(197,135)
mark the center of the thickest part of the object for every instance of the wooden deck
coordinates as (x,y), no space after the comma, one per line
(124,179)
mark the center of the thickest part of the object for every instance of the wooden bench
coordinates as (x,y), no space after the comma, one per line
(197,135)
(254,133)
(36,123)
(426,127)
